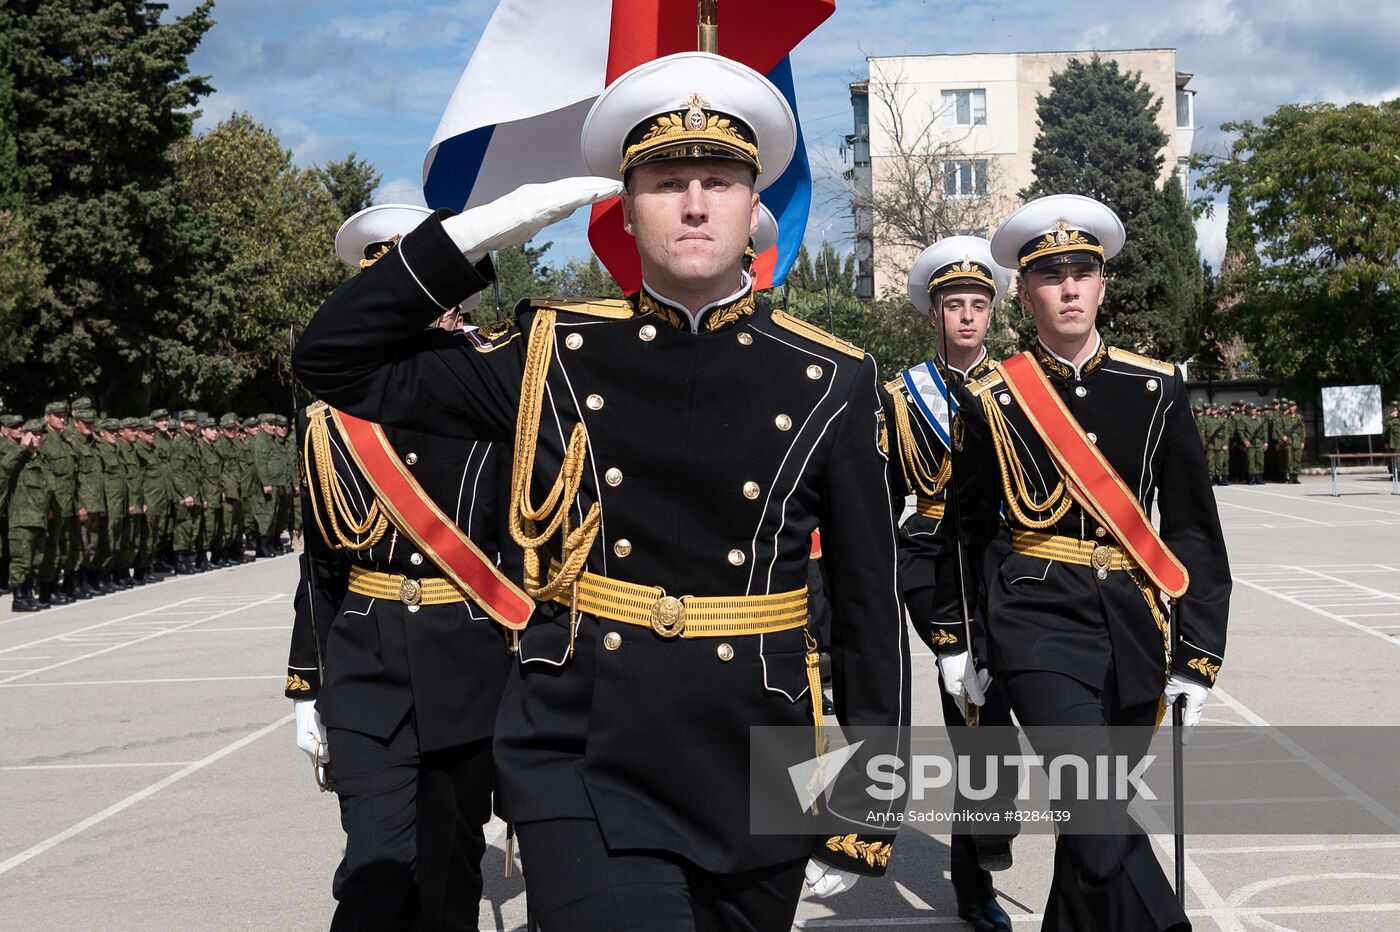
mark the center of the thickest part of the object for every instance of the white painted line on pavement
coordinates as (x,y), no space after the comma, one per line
(173,679)
(1276,514)
(142,639)
(1315,610)
(100,624)
(1393,512)
(122,805)
(1369,590)
(1220,914)
(1301,849)
(176,763)
(226,630)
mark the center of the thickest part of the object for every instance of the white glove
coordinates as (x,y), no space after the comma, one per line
(516,217)
(825,880)
(963,681)
(311,734)
(1195,693)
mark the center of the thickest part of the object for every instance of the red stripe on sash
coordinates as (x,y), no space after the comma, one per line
(1091,480)
(419,518)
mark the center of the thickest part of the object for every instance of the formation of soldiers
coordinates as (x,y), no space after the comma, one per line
(91,506)
(1391,432)
(1244,440)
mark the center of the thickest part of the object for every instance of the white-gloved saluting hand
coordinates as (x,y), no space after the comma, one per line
(1195,693)
(515,218)
(311,734)
(963,681)
(824,880)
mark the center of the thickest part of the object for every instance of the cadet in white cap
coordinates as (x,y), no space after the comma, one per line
(1070,444)
(957,285)
(396,689)
(694,437)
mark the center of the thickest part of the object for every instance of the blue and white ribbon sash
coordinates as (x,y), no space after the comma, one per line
(932,398)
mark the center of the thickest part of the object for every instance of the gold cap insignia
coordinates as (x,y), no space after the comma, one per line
(1061,233)
(695,112)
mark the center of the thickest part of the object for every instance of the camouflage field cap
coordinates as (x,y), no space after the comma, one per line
(11,421)
(146,424)
(228,420)
(86,415)
(267,418)
(128,423)
(56,407)
(32,426)
(82,401)
(249,422)
(159,414)
(189,414)
(109,424)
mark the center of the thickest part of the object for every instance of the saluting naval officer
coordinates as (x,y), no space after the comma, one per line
(957,285)
(396,674)
(1077,441)
(693,438)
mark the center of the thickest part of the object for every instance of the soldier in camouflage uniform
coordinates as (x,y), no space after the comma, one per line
(162,502)
(252,491)
(1219,433)
(1256,443)
(28,517)
(1295,440)
(211,488)
(1276,421)
(185,471)
(155,500)
(61,465)
(231,482)
(92,502)
(109,566)
(288,487)
(268,464)
(12,457)
(136,556)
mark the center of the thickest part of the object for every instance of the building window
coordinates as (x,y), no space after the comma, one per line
(965,178)
(1183,109)
(965,107)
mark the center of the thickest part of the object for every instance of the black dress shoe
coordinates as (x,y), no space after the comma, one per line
(993,852)
(983,913)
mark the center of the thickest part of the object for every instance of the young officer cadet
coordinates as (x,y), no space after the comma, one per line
(1076,441)
(690,440)
(956,284)
(395,671)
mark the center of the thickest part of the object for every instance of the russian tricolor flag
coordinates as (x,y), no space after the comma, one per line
(518,109)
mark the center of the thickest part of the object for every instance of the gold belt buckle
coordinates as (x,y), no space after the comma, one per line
(668,616)
(410,592)
(1102,559)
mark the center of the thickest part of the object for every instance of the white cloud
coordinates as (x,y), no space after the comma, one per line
(400,191)
(1210,235)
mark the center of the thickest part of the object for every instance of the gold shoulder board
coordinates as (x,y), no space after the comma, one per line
(1155,365)
(316,407)
(978,386)
(816,334)
(895,384)
(610,308)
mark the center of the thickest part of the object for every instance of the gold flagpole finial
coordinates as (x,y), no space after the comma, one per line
(707,25)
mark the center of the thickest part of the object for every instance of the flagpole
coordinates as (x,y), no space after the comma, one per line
(707,25)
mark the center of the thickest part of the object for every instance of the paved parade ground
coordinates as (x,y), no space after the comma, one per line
(149,779)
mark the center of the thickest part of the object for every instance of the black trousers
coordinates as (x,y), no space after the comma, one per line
(969,879)
(576,884)
(414,833)
(1102,883)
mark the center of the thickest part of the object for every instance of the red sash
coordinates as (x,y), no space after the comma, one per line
(1092,482)
(420,519)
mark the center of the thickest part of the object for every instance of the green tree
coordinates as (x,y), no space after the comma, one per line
(101,95)
(1099,137)
(265,265)
(351,183)
(1315,217)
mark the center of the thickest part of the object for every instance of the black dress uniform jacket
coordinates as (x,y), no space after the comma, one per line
(713,455)
(1060,617)
(448,662)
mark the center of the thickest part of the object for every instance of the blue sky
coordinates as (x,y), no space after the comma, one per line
(332,76)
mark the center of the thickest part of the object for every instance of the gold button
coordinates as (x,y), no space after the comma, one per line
(411,458)
(724,652)
(814,372)
(594,402)
(647,333)
(736,557)
(745,339)
(751,490)
(613,476)
(623,547)
(416,559)
(783,422)
(612,640)
(573,340)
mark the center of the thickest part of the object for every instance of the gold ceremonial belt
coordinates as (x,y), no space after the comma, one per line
(1102,557)
(688,616)
(930,507)
(411,592)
